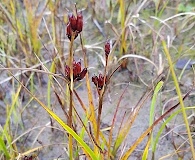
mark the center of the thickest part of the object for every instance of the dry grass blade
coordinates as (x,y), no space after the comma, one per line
(140,139)
(139,57)
(128,124)
(113,122)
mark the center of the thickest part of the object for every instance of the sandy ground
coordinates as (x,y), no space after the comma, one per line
(37,131)
(31,125)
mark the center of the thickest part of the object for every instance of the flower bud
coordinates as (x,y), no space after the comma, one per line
(79,22)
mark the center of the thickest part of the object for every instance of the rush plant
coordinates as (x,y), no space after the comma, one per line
(78,92)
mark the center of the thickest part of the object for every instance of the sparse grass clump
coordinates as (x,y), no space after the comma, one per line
(96,80)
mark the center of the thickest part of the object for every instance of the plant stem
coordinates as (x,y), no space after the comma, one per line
(101,95)
(99,118)
(92,117)
(70,125)
(180,97)
(122,13)
(71,86)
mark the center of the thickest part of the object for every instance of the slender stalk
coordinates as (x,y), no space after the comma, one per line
(99,118)
(92,117)
(70,125)
(113,121)
(101,95)
(180,97)
(122,12)
(71,86)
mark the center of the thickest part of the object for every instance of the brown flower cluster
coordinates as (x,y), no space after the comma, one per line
(75,25)
(100,81)
(78,74)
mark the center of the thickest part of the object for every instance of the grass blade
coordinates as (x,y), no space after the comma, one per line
(64,125)
(4,149)
(166,51)
(69,130)
(161,130)
(152,110)
(140,139)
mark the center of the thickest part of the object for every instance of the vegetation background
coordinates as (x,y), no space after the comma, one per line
(142,103)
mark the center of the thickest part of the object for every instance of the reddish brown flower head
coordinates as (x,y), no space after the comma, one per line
(107,49)
(99,81)
(69,32)
(82,74)
(73,21)
(76,68)
(67,72)
(79,22)
(77,73)
(75,24)
(95,80)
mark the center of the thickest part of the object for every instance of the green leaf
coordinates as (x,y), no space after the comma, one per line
(69,130)
(4,149)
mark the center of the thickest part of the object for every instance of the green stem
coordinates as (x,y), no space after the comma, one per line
(180,97)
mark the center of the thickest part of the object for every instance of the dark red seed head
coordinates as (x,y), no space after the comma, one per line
(67,72)
(95,80)
(100,81)
(101,77)
(79,22)
(76,68)
(107,49)
(77,73)
(68,31)
(73,21)
(82,74)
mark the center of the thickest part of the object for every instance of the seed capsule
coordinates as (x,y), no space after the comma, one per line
(79,22)
(76,69)
(73,21)
(68,31)
(77,73)
(100,81)
(82,74)
(67,72)
(95,80)
(107,49)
